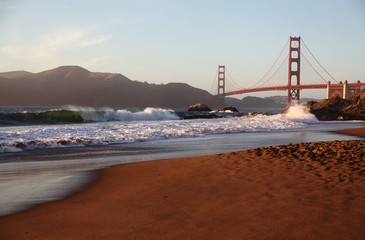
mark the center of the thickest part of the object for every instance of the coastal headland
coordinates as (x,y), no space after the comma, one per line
(296,191)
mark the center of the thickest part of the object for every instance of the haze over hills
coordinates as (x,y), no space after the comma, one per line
(15,74)
(74,85)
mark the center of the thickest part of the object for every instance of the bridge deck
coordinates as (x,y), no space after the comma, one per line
(294,87)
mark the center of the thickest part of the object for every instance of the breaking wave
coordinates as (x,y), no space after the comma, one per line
(299,112)
(130,129)
(45,117)
(148,114)
(82,115)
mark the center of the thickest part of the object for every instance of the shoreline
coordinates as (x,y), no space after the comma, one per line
(360,132)
(297,191)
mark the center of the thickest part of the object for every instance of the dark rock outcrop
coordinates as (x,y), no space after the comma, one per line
(199,107)
(339,109)
(226,109)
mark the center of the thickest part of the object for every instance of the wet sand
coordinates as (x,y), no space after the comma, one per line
(297,191)
(353,131)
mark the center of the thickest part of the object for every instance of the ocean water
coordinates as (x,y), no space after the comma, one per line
(42,160)
(105,127)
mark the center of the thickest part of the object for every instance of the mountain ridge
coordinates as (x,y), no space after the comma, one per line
(74,85)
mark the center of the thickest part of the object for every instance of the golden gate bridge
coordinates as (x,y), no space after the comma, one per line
(294,84)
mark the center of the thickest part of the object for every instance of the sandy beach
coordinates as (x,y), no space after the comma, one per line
(297,191)
(353,131)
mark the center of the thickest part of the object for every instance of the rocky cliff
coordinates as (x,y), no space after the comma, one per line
(340,109)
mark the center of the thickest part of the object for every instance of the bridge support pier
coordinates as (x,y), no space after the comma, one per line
(343,90)
(359,87)
(328,93)
(346,90)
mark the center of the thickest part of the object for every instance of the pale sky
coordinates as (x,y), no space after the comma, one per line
(161,41)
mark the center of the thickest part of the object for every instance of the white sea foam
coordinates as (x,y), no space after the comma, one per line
(23,191)
(148,125)
(109,114)
(147,115)
(299,112)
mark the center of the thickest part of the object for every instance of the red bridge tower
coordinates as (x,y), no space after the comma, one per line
(294,69)
(221,85)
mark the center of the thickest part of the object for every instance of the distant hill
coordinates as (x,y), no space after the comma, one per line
(263,102)
(74,85)
(267,104)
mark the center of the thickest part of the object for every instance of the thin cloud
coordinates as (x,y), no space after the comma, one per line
(62,38)
(96,41)
(56,46)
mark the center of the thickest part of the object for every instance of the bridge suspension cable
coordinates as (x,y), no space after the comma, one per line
(214,83)
(234,83)
(294,84)
(277,70)
(320,75)
(272,66)
(317,62)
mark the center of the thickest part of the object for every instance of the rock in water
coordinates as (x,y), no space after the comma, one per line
(199,107)
(232,109)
